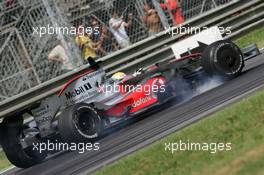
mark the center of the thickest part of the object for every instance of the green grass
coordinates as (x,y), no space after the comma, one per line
(256,36)
(4,163)
(241,124)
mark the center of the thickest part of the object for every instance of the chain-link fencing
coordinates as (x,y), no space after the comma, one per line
(42,39)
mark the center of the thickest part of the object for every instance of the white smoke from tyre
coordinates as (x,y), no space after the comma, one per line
(210,84)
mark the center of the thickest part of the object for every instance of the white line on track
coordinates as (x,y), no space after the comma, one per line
(6,170)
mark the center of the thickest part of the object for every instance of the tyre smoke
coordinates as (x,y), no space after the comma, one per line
(209,84)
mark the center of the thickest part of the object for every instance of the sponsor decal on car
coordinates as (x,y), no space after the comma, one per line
(141,101)
(81,89)
(78,91)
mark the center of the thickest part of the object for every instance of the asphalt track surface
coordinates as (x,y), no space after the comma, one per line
(155,126)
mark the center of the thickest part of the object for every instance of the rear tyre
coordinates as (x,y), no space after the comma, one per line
(80,122)
(11,134)
(223,58)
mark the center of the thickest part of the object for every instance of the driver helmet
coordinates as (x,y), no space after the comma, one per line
(119,76)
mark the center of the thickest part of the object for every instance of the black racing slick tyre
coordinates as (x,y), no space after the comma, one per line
(80,122)
(11,132)
(223,58)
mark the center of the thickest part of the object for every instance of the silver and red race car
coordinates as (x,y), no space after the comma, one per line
(91,103)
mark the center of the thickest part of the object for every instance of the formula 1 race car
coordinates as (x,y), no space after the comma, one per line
(91,103)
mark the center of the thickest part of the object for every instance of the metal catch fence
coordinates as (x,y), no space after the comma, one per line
(42,39)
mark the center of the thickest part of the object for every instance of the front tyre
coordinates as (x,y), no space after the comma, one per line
(223,58)
(79,123)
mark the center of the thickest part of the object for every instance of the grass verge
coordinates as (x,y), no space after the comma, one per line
(4,163)
(242,125)
(256,36)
